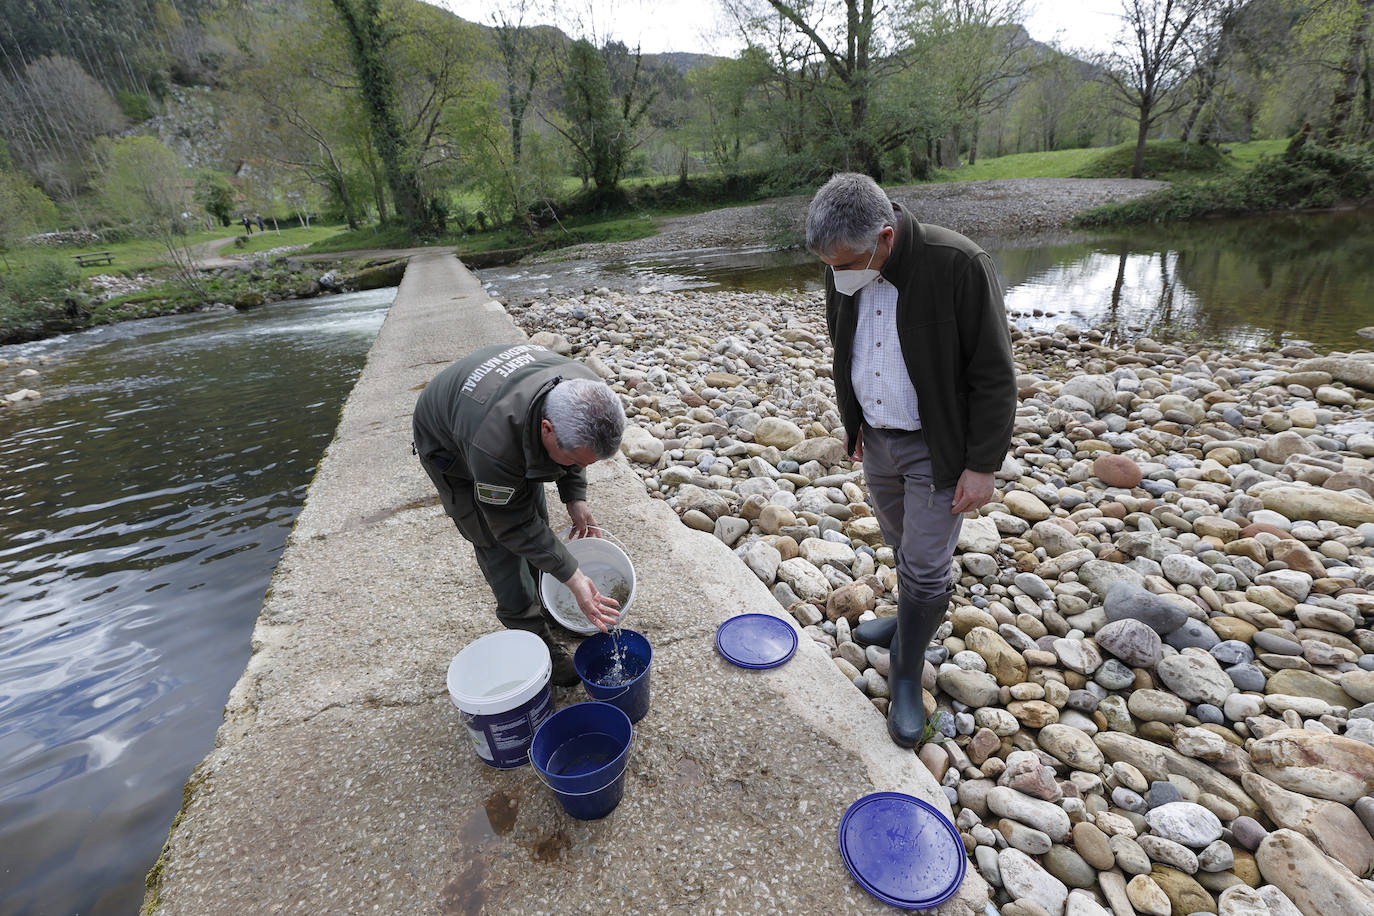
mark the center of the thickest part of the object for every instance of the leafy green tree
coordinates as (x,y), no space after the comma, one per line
(24,209)
(596,127)
(369,42)
(144,182)
(215,195)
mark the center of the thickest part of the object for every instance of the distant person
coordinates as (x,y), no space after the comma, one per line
(927,392)
(490,430)
(247,225)
(261,227)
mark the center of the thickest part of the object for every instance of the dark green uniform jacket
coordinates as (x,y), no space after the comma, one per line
(955,344)
(477,422)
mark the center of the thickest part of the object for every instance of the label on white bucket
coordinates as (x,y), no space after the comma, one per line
(503,740)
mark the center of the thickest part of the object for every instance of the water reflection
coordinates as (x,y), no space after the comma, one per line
(1255,282)
(143,504)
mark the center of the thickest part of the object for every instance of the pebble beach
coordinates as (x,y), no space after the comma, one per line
(1154,691)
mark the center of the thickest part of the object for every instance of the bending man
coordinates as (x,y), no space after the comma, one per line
(490,430)
(927,390)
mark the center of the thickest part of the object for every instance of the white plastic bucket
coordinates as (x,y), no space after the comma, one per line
(605,562)
(500,683)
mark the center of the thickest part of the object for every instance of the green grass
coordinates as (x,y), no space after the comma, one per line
(1062,163)
(1248,155)
(271,238)
(1164,160)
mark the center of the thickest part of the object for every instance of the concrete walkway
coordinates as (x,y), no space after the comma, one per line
(343,781)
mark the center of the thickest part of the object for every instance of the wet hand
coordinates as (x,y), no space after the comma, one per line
(583,525)
(973,491)
(601,611)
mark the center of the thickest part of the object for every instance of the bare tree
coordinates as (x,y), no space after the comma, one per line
(1149,62)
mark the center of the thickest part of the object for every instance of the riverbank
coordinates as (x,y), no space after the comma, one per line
(1022,208)
(1157,676)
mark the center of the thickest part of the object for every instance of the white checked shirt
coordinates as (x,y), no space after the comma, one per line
(879,375)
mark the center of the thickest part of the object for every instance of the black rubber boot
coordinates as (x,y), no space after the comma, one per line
(876,632)
(916,623)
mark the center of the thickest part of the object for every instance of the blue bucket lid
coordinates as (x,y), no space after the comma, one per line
(902,850)
(756,640)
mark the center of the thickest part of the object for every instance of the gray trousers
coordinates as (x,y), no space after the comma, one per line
(914,516)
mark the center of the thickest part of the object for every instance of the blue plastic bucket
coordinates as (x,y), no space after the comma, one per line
(500,683)
(582,753)
(595,660)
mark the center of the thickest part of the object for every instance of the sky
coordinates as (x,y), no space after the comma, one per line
(700,26)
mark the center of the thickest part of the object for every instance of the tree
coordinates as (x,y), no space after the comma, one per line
(24,209)
(977,51)
(596,127)
(369,40)
(214,195)
(1342,123)
(145,183)
(50,114)
(1210,48)
(1148,63)
(847,54)
(520,51)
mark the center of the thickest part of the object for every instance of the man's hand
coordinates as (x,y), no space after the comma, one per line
(583,525)
(600,610)
(858,453)
(973,492)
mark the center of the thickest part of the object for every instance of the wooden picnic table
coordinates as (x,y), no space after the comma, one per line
(91,258)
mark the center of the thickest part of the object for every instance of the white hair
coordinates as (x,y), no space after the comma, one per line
(585,413)
(849,210)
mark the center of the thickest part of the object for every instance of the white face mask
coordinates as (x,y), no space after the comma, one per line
(849,282)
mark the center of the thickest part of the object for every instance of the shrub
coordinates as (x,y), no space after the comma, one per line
(40,296)
(1304,178)
(1163,159)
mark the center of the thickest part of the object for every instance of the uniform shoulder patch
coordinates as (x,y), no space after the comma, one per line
(494,495)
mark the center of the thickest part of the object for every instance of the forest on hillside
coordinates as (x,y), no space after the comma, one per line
(126,114)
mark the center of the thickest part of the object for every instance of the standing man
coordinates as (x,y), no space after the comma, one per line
(490,430)
(927,390)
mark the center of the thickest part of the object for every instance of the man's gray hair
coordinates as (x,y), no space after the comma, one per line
(849,210)
(585,413)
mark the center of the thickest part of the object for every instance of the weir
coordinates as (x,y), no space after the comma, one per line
(343,780)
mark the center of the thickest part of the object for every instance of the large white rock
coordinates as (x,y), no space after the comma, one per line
(1025,880)
(1315,882)
(640,445)
(776,431)
(805,580)
(979,535)
(1044,816)
(1184,822)
(1315,504)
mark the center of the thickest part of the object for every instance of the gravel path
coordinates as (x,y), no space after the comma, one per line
(979,209)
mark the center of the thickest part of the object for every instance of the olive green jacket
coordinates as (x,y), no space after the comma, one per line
(477,423)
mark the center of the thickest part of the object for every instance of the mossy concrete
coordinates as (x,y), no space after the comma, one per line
(343,781)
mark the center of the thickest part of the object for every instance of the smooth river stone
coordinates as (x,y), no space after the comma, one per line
(1317,885)
(1133,642)
(1292,682)
(1156,706)
(1004,662)
(1185,894)
(1072,747)
(1186,823)
(1336,829)
(1044,816)
(1131,600)
(1078,655)
(1157,762)
(1024,879)
(1195,680)
(1316,764)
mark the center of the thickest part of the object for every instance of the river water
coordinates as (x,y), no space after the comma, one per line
(144,502)
(1260,282)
